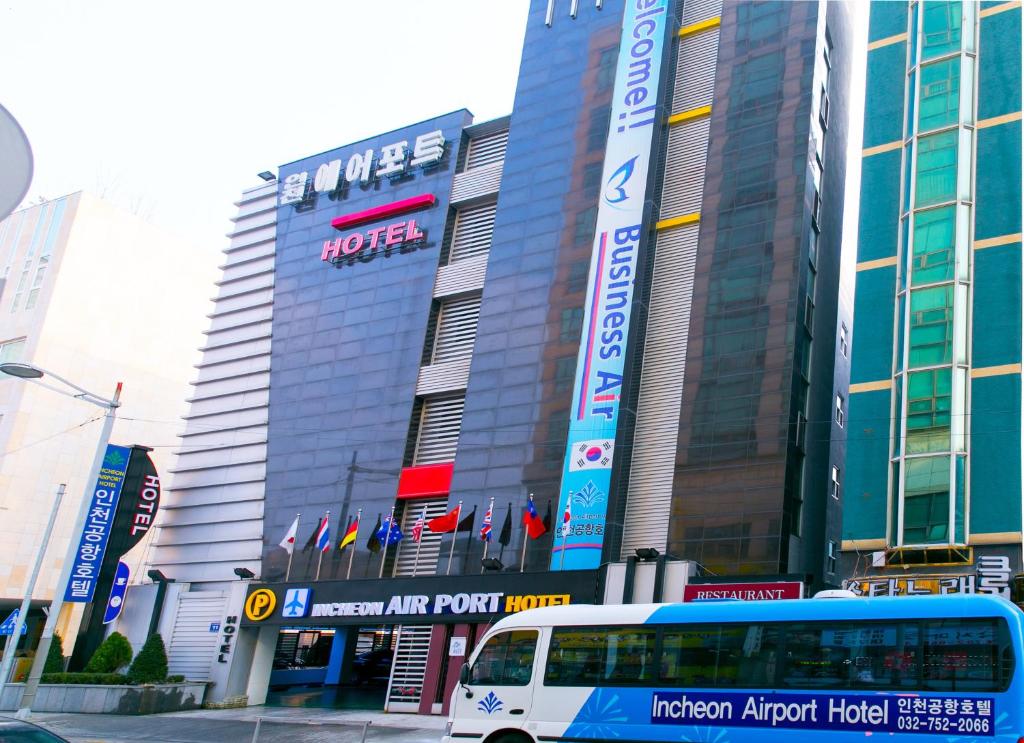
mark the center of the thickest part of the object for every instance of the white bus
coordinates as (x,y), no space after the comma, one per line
(729,671)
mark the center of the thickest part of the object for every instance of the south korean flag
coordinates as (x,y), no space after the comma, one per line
(595,454)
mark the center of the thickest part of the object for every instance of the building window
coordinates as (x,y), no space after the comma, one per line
(934,246)
(597,129)
(606,68)
(929,402)
(941,32)
(844,341)
(592,178)
(840,411)
(936,168)
(809,314)
(579,272)
(12,351)
(834,489)
(831,557)
(926,501)
(931,326)
(572,324)
(816,211)
(940,95)
(823,107)
(565,372)
(586,223)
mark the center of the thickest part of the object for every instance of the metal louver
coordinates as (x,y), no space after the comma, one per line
(405,686)
(487,150)
(474,226)
(683,186)
(438,435)
(422,558)
(456,329)
(190,652)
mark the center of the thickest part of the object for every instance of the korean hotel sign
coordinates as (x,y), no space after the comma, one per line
(590,449)
(365,167)
(92,543)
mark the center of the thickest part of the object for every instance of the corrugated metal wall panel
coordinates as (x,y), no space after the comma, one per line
(464,276)
(191,650)
(406,683)
(474,226)
(695,71)
(661,387)
(420,559)
(684,168)
(476,183)
(448,376)
(487,150)
(695,11)
(438,435)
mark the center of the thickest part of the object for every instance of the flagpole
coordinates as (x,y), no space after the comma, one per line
(526,536)
(561,560)
(291,552)
(455,536)
(387,541)
(487,542)
(419,542)
(320,559)
(355,542)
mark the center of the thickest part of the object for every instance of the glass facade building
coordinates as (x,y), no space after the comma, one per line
(934,454)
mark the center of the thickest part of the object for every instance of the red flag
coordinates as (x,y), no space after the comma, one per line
(534,526)
(446,523)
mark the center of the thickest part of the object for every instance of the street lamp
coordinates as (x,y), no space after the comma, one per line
(35,373)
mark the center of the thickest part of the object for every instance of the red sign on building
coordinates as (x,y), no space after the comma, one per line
(744,591)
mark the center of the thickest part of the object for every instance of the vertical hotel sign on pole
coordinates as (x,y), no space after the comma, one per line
(92,542)
(590,449)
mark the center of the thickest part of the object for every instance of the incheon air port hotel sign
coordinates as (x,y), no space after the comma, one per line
(590,450)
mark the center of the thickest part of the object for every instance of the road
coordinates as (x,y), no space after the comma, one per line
(204,727)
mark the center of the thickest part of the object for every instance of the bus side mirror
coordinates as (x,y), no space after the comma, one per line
(464,674)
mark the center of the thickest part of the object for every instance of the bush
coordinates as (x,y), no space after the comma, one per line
(103,679)
(55,657)
(150,665)
(175,679)
(113,654)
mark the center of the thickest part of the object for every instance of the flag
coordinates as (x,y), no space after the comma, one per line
(288,543)
(506,529)
(534,526)
(312,538)
(595,454)
(485,528)
(323,536)
(389,533)
(373,544)
(547,517)
(467,521)
(417,528)
(444,524)
(567,518)
(350,534)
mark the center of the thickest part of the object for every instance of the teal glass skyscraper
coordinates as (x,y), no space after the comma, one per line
(933,471)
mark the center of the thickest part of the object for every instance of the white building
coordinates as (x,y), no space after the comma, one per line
(99,296)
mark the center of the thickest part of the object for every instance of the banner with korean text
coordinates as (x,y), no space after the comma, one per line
(590,449)
(92,542)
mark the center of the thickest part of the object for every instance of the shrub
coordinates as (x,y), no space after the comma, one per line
(113,654)
(55,656)
(104,679)
(175,679)
(150,665)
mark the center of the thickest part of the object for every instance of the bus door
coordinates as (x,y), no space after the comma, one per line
(500,680)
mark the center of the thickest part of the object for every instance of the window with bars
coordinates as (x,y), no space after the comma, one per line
(456,329)
(437,435)
(487,150)
(474,226)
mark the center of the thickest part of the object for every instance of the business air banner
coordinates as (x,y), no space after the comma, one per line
(586,474)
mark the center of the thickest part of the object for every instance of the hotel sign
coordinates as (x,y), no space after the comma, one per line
(392,161)
(586,473)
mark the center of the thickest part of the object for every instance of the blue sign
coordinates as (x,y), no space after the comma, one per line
(7,628)
(85,571)
(590,448)
(214,626)
(296,603)
(870,713)
(117,593)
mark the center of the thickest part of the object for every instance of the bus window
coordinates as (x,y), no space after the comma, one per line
(837,656)
(630,656)
(702,656)
(600,656)
(506,659)
(966,655)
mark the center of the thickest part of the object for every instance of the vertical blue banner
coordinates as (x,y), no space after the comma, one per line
(92,543)
(590,449)
(118,591)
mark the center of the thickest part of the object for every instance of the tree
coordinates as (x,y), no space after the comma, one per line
(150,665)
(113,654)
(55,656)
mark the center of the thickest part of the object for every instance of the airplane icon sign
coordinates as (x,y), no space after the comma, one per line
(296,603)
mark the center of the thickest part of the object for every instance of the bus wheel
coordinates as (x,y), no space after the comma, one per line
(511,738)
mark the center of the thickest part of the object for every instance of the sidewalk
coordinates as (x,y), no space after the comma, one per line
(278,725)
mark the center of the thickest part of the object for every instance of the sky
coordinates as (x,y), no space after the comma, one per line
(171,109)
(172,113)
